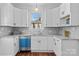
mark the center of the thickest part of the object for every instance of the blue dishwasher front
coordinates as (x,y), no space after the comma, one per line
(24,43)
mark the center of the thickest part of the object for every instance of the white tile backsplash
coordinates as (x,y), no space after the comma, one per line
(44,31)
(49,31)
(5,30)
(24,30)
(74,31)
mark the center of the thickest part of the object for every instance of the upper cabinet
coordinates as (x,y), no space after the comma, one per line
(69,14)
(65,15)
(74,16)
(6,18)
(52,17)
(12,16)
(64,9)
(20,17)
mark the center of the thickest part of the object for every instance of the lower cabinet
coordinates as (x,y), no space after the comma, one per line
(42,44)
(16,44)
(9,46)
(70,47)
(57,46)
(66,47)
(50,44)
(39,44)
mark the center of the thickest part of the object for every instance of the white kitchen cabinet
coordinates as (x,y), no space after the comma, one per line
(64,9)
(12,16)
(17,17)
(52,17)
(20,17)
(38,44)
(16,44)
(66,47)
(57,46)
(50,44)
(24,19)
(43,44)
(29,21)
(69,14)
(8,46)
(70,47)
(6,18)
(35,43)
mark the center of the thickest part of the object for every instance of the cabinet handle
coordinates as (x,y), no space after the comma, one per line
(39,41)
(62,12)
(55,43)
(14,44)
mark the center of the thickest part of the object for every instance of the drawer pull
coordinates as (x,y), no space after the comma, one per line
(39,41)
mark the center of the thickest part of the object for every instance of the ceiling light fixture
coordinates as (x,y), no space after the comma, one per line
(36,9)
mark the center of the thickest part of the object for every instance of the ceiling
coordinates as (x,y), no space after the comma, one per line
(33,5)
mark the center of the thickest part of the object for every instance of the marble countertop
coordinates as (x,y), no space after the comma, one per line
(64,38)
(56,36)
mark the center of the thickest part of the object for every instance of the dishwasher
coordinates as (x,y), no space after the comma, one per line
(25,43)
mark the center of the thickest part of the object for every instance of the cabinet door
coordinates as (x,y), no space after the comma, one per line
(7,15)
(20,17)
(49,18)
(56,17)
(62,10)
(74,14)
(50,44)
(24,18)
(6,46)
(17,17)
(70,48)
(58,47)
(52,17)
(43,44)
(16,45)
(35,43)
(67,9)
(29,21)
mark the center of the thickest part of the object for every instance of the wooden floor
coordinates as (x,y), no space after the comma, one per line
(35,54)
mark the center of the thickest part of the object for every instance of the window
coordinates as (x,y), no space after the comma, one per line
(35,16)
(36,20)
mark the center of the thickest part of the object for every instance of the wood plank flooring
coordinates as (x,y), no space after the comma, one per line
(35,54)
